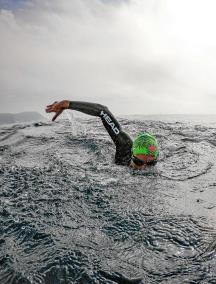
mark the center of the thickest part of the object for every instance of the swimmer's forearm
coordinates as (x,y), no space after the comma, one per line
(86,107)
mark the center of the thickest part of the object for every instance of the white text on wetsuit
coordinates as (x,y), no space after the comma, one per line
(110,122)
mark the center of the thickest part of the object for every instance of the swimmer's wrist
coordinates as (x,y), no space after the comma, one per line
(65,104)
(70,104)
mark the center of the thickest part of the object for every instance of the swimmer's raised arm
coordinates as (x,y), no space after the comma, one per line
(85,107)
(109,121)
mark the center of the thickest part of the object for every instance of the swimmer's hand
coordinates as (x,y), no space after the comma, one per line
(58,108)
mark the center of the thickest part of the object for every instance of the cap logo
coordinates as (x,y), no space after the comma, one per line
(152,148)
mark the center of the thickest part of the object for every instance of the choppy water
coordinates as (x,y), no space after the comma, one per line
(68,214)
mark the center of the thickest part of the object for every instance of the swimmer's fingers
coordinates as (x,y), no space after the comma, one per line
(53,107)
(56,115)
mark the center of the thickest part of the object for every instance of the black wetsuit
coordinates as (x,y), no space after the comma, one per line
(121,139)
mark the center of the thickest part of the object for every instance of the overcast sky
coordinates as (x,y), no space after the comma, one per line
(135,56)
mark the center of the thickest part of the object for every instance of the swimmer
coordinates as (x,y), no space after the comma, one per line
(137,154)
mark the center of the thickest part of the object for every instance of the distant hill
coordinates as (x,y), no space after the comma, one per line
(6,118)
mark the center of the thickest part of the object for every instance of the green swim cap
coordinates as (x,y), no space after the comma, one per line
(146,144)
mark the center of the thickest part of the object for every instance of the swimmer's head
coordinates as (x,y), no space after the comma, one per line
(145,150)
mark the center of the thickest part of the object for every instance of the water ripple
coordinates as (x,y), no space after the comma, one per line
(68,214)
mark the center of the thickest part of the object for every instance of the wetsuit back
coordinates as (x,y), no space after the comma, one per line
(121,139)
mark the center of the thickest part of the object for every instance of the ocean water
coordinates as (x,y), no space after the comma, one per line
(68,214)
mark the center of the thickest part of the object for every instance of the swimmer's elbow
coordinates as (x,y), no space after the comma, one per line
(103,108)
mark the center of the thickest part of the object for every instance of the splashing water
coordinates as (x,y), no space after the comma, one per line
(72,122)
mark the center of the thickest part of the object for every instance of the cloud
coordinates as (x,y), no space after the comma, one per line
(135,56)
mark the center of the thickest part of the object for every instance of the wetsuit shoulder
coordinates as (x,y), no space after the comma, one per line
(123,149)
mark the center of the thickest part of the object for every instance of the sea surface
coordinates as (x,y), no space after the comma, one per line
(68,214)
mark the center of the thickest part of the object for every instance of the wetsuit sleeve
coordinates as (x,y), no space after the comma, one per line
(121,139)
